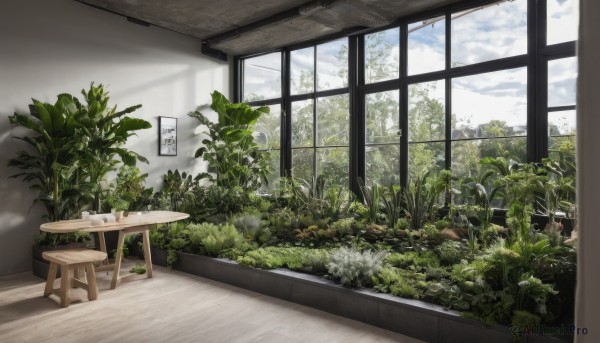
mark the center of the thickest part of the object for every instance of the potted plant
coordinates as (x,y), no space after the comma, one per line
(130,186)
(118,205)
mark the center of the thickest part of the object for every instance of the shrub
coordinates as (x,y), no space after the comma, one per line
(247,223)
(260,258)
(251,226)
(212,239)
(451,252)
(414,260)
(294,258)
(354,268)
(403,283)
(281,223)
(138,268)
(342,227)
(316,260)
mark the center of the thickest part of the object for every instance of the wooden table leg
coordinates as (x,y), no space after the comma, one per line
(50,279)
(102,242)
(147,254)
(118,256)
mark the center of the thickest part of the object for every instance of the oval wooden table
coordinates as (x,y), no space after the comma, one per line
(134,223)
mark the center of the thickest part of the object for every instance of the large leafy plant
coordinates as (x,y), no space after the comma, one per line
(50,167)
(105,131)
(74,146)
(230,150)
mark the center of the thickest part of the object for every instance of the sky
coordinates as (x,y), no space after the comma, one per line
(494,32)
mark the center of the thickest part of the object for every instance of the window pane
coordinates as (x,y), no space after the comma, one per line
(563,18)
(333,164)
(489,32)
(302,164)
(268,127)
(563,145)
(272,177)
(382,164)
(262,77)
(382,55)
(426,111)
(333,120)
(561,123)
(382,117)
(562,77)
(302,123)
(424,157)
(490,105)
(332,64)
(466,154)
(426,46)
(302,69)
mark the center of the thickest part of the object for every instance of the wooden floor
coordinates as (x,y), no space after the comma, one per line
(171,307)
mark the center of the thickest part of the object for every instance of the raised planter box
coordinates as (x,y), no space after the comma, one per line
(418,319)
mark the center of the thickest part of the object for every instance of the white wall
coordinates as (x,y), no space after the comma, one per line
(52,47)
(587,304)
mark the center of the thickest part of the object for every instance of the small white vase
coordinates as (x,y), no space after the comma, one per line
(118,215)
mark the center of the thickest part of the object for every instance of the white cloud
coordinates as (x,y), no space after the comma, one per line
(499,95)
(563,18)
(490,33)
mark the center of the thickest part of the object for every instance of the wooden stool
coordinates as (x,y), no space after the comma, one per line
(79,260)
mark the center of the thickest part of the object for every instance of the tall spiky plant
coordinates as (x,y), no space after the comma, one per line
(372,198)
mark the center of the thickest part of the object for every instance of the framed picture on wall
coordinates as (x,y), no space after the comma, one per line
(167,136)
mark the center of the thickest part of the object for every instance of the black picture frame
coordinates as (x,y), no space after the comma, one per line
(167,136)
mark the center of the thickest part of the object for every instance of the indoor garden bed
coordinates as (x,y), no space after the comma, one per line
(414,318)
(430,254)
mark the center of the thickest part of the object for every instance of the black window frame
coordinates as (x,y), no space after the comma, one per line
(535,60)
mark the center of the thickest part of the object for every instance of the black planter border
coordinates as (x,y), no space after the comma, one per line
(414,318)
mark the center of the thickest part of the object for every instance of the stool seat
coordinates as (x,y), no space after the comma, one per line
(74,256)
(84,274)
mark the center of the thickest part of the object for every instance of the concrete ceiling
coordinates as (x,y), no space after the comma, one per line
(285,22)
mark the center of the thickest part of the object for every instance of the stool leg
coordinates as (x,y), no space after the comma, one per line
(84,275)
(76,275)
(91,279)
(50,279)
(65,285)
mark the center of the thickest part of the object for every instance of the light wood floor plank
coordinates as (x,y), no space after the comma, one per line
(171,307)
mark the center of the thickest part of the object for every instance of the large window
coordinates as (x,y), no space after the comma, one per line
(262,77)
(436,91)
(489,118)
(489,33)
(561,105)
(262,87)
(382,55)
(426,127)
(320,113)
(382,146)
(426,45)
